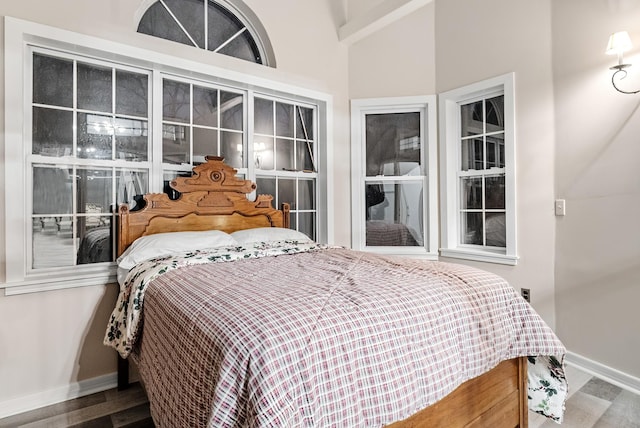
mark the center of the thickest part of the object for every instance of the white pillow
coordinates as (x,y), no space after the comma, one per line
(162,244)
(265,234)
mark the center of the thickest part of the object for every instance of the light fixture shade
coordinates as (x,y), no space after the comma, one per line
(618,42)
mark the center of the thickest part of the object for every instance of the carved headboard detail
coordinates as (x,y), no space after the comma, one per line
(213,198)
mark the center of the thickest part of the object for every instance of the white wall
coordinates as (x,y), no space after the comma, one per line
(597,155)
(447,44)
(53,339)
(398,60)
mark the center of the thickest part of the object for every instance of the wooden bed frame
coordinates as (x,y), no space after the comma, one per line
(214,198)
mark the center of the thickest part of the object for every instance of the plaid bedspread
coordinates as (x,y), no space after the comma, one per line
(300,335)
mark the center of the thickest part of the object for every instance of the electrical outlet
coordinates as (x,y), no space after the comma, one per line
(526,294)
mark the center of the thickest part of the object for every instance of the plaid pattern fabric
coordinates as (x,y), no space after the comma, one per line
(380,233)
(330,337)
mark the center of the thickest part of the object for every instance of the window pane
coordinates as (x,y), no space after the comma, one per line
(284,120)
(231,111)
(267,186)
(95,236)
(394,213)
(304,127)
(307,224)
(53,244)
(495,192)
(230,141)
(132,139)
(263,116)
(472,154)
(157,21)
(222,25)
(94,192)
(471,228)
(392,143)
(304,152)
(205,142)
(496,229)
(93,200)
(263,153)
(306,194)
(495,114)
(243,47)
(190,13)
(471,119)
(95,88)
(287,193)
(52,132)
(495,151)
(52,81)
(175,144)
(471,193)
(205,106)
(94,136)
(284,154)
(132,93)
(52,190)
(175,100)
(130,186)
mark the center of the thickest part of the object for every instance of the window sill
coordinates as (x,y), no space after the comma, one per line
(37,285)
(479,256)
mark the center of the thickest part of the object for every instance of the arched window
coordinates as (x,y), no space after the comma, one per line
(226,27)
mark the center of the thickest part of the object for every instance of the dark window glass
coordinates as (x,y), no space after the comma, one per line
(94,88)
(158,22)
(189,13)
(263,116)
(392,143)
(175,99)
(231,111)
(132,93)
(52,132)
(52,81)
(205,106)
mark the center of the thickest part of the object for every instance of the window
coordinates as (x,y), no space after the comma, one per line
(198,120)
(99,132)
(284,148)
(478,174)
(226,27)
(394,175)
(89,151)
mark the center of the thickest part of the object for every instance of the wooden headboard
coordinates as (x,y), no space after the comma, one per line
(213,198)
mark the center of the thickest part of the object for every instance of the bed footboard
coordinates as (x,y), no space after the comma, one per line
(497,398)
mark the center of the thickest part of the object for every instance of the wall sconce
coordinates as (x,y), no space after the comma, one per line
(619,43)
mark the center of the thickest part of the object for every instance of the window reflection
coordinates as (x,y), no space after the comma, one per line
(394,214)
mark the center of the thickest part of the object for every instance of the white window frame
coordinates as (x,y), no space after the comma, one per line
(427,107)
(449,109)
(20,36)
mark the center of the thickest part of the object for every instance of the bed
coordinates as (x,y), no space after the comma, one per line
(260,326)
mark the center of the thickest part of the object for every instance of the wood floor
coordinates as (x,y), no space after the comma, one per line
(592,403)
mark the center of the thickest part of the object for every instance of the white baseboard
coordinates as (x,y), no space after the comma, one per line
(102,383)
(611,375)
(58,395)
